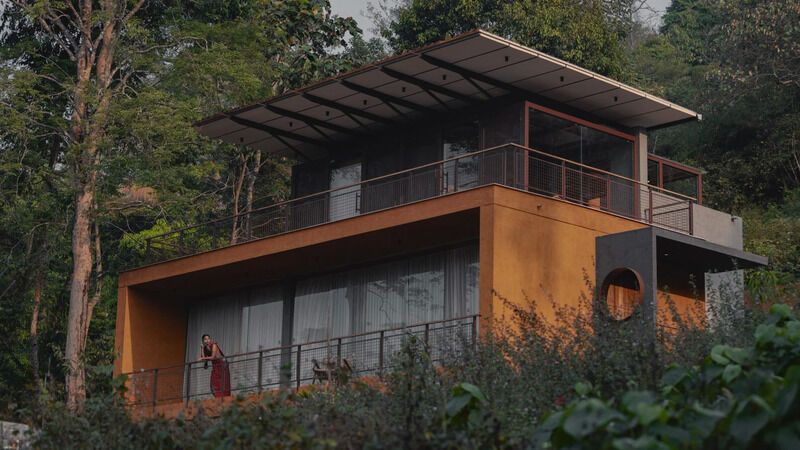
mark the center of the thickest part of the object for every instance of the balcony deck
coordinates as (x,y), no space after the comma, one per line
(509,165)
(332,360)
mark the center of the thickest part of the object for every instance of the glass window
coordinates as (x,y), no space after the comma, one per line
(459,140)
(575,142)
(344,203)
(679,180)
(652,173)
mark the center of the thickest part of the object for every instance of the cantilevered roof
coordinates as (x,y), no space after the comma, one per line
(463,71)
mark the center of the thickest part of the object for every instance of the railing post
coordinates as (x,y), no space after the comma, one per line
(339,352)
(410,194)
(297,371)
(188,382)
(260,369)
(563,179)
(147,248)
(650,206)
(691,217)
(155,387)
(505,170)
(455,174)
(608,194)
(380,354)
(427,333)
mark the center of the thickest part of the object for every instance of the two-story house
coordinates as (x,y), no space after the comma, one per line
(430,188)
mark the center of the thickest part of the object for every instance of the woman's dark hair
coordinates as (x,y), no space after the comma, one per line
(206,351)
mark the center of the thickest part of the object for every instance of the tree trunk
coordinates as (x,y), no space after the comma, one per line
(237,193)
(251,185)
(34,330)
(77,321)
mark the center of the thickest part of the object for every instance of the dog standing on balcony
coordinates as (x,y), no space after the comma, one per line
(220,374)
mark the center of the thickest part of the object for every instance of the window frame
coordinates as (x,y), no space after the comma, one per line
(659,182)
(634,141)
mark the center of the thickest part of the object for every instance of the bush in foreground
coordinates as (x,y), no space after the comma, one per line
(515,390)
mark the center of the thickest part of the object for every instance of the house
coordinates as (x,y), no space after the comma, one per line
(431,188)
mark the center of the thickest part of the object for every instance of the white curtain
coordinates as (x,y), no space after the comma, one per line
(241,321)
(396,294)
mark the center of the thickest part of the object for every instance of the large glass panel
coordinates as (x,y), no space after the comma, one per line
(652,173)
(386,296)
(679,180)
(456,141)
(345,203)
(588,147)
(585,145)
(244,321)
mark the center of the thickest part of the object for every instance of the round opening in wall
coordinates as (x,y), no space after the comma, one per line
(623,293)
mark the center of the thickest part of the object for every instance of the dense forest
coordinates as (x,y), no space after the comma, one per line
(97,149)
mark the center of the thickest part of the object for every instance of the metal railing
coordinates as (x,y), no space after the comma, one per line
(509,165)
(294,366)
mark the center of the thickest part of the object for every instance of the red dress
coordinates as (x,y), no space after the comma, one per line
(220,376)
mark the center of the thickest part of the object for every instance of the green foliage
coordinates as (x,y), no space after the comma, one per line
(728,397)
(573,30)
(738,398)
(187,61)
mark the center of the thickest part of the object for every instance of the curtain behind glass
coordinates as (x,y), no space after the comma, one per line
(385,296)
(240,322)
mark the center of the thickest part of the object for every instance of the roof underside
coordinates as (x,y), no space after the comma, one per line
(463,71)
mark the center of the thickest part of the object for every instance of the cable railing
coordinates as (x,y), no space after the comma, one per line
(330,360)
(509,165)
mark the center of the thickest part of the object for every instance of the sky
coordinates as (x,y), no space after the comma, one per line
(357,9)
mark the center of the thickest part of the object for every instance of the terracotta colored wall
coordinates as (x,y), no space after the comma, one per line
(151,332)
(539,249)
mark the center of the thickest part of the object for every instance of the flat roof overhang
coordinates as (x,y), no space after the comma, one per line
(652,246)
(698,255)
(465,71)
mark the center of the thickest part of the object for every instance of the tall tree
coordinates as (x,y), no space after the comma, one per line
(575,30)
(92,35)
(96,116)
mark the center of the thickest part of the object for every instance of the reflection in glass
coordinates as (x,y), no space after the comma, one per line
(679,180)
(652,173)
(426,288)
(344,203)
(575,142)
(456,141)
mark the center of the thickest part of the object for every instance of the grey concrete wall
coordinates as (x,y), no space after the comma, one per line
(717,227)
(635,250)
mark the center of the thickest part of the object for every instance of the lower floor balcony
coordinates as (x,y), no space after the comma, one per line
(332,360)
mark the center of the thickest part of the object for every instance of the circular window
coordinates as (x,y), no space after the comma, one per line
(623,293)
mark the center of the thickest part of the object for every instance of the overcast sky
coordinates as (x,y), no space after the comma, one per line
(357,9)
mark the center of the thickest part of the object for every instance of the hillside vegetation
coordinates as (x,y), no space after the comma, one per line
(93,157)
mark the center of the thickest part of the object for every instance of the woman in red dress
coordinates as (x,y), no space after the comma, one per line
(220,375)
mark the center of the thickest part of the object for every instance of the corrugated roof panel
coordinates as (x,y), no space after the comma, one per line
(465,48)
(478,52)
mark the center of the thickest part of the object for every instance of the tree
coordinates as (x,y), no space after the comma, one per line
(128,161)
(577,31)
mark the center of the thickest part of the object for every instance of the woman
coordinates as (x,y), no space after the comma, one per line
(220,375)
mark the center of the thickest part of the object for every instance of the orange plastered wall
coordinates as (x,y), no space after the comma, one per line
(151,331)
(540,250)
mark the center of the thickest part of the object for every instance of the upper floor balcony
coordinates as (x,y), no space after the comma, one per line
(509,165)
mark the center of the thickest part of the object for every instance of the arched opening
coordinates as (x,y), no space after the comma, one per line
(623,293)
